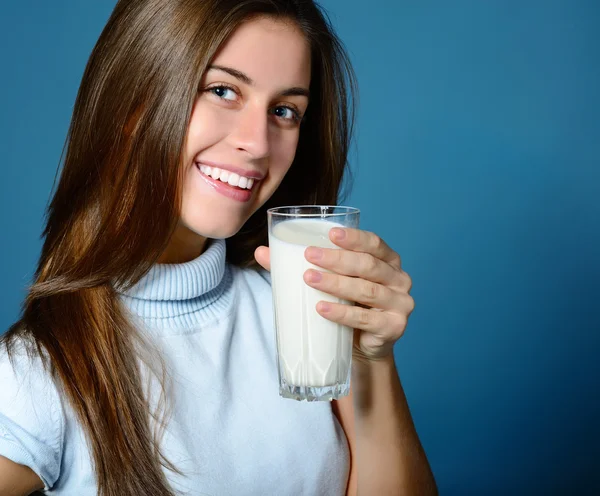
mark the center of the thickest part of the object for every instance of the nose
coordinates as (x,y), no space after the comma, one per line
(251,133)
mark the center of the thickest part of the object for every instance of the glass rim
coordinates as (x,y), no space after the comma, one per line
(344,210)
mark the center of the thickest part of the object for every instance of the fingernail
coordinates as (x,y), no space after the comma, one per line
(323,306)
(338,233)
(314,253)
(314,276)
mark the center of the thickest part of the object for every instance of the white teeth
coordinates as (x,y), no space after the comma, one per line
(206,169)
(234,179)
(231,178)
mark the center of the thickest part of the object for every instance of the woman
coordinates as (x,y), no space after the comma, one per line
(143,362)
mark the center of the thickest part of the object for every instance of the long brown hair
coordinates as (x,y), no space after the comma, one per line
(117,204)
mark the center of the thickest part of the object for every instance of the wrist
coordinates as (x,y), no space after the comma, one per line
(363,362)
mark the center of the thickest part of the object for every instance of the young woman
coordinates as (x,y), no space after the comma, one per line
(144,359)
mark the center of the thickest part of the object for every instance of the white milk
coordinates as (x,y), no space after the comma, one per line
(313,351)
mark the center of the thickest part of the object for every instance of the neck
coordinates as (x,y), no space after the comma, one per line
(185,245)
(182,295)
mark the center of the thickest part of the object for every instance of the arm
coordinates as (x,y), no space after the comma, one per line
(17,480)
(388,457)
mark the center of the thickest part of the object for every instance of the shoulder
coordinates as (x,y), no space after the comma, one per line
(31,415)
(22,373)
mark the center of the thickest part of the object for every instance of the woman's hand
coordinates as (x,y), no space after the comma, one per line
(366,271)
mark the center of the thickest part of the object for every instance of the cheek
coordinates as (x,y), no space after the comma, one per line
(283,153)
(206,127)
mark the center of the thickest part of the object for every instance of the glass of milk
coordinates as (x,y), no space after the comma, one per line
(314,355)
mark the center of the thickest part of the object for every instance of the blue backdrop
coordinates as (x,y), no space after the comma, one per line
(477,158)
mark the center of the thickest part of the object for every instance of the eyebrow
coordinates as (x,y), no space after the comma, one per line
(294,91)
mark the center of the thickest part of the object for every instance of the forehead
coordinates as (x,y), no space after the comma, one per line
(272,52)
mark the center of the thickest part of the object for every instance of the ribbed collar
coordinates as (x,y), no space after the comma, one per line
(185,294)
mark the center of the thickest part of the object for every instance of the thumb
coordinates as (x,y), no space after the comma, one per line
(262,256)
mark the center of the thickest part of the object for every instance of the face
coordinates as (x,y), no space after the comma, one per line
(243,132)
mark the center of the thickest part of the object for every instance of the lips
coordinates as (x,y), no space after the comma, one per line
(233,192)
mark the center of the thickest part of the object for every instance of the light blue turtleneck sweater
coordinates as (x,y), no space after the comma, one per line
(229,432)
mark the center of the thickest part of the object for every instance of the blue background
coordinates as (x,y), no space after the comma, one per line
(477,158)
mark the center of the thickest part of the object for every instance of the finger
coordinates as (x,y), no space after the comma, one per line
(366,242)
(388,326)
(358,290)
(262,256)
(355,264)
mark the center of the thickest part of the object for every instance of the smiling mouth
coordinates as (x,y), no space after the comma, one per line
(231,178)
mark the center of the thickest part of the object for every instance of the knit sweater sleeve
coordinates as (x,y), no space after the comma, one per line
(32,423)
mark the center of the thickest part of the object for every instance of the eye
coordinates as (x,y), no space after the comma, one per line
(287,113)
(223,92)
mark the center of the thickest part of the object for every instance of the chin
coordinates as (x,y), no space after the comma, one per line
(213,230)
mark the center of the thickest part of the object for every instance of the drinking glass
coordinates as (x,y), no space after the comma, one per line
(314,355)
